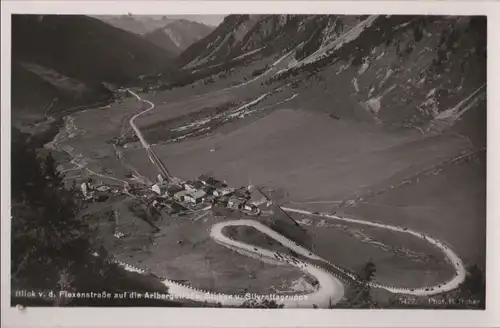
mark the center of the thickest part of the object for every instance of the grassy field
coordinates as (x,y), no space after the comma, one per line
(450,206)
(184,251)
(352,246)
(276,151)
(86,135)
(198,118)
(392,269)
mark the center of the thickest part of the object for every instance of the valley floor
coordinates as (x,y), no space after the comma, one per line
(313,162)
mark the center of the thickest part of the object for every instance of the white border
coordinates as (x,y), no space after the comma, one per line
(73,317)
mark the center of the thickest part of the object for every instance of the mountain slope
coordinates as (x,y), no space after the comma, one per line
(240,34)
(424,72)
(137,24)
(414,71)
(71,56)
(176,36)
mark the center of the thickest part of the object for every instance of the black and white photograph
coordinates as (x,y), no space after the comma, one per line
(259,161)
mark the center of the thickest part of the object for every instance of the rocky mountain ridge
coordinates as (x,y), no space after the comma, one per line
(406,71)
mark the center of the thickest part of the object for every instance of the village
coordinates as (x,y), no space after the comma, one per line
(175,196)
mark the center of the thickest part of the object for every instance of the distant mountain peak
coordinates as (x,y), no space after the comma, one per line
(137,24)
(178,35)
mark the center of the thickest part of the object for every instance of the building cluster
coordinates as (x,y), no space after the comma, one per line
(204,190)
(93,192)
(176,196)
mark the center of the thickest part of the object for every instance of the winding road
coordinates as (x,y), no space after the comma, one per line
(138,132)
(152,155)
(330,289)
(450,255)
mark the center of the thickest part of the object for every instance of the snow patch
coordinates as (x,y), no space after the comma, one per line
(343,67)
(329,47)
(198,61)
(349,36)
(363,67)
(215,41)
(280,71)
(238,111)
(247,54)
(191,125)
(355,84)
(463,106)
(387,75)
(371,91)
(400,26)
(373,104)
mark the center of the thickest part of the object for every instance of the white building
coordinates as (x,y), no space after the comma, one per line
(235,202)
(181,195)
(160,189)
(195,197)
(249,207)
(207,180)
(84,189)
(193,185)
(223,192)
(103,188)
